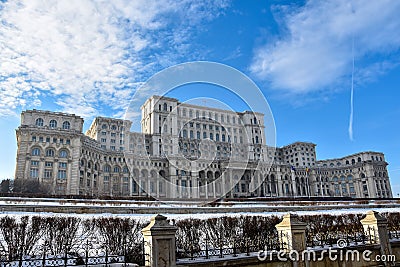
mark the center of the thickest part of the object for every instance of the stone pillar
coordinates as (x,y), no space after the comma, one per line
(292,233)
(376,225)
(159,243)
(292,236)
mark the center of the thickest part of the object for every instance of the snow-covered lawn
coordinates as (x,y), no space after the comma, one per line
(146,217)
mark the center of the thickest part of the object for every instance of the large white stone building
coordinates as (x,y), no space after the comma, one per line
(185,151)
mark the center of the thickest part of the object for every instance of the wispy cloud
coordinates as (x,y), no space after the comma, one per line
(90,55)
(314,52)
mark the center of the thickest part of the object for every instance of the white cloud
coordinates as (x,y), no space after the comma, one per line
(315,51)
(90,55)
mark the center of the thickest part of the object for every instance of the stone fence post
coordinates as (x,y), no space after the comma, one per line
(376,225)
(292,235)
(159,243)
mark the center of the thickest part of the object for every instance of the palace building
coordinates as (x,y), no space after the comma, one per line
(185,151)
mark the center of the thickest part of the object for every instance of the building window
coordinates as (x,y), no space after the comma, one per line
(116,169)
(53,124)
(223,138)
(66,125)
(35,163)
(39,122)
(48,164)
(33,138)
(62,165)
(34,173)
(48,174)
(198,135)
(36,152)
(63,154)
(50,152)
(107,168)
(104,126)
(62,174)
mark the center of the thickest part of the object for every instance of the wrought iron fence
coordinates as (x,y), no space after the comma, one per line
(330,239)
(219,237)
(206,250)
(394,234)
(87,254)
(69,241)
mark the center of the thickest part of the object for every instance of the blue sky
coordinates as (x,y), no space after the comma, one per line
(89,57)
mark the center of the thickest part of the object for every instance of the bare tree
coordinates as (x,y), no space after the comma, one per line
(20,237)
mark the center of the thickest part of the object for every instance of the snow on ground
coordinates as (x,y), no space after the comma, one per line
(146,217)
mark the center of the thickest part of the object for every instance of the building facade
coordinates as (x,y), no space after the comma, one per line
(185,151)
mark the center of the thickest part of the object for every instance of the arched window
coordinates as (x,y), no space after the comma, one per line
(50,152)
(125,170)
(113,127)
(39,122)
(211,136)
(204,135)
(223,137)
(63,153)
(116,169)
(53,124)
(184,134)
(198,135)
(107,168)
(165,107)
(66,125)
(216,137)
(104,126)
(362,175)
(191,134)
(256,139)
(36,152)
(359,159)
